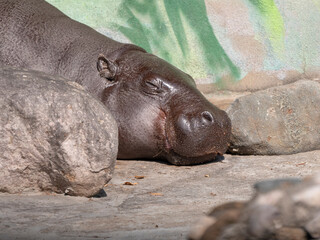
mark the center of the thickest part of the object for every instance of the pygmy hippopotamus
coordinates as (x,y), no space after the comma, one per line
(159,111)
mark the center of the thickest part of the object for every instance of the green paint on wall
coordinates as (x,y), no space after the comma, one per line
(317,3)
(149,36)
(82,11)
(273,23)
(147,27)
(176,21)
(134,31)
(196,15)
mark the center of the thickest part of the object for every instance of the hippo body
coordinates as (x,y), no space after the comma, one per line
(159,111)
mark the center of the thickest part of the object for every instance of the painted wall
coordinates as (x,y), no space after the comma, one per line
(231,44)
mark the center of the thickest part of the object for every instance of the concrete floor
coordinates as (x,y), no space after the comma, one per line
(162,205)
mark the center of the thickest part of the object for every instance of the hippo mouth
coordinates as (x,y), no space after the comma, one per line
(180,160)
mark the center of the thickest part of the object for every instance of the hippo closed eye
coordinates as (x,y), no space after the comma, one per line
(159,111)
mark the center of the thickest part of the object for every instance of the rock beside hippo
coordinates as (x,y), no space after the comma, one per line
(53,136)
(282,209)
(279,120)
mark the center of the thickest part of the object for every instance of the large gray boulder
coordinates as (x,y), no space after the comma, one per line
(53,136)
(279,120)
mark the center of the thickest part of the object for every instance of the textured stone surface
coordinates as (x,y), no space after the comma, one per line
(279,120)
(136,212)
(288,210)
(53,136)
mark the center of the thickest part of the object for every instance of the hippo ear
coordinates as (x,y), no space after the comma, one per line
(106,67)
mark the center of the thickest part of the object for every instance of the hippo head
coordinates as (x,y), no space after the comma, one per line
(159,110)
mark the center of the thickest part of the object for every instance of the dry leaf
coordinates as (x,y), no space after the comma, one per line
(139,177)
(213,194)
(206,175)
(156,194)
(301,164)
(130,183)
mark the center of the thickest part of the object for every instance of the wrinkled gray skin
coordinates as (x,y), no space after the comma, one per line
(159,111)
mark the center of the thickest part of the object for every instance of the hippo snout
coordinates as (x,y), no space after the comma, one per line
(189,124)
(202,135)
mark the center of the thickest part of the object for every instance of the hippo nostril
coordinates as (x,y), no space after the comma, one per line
(207,116)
